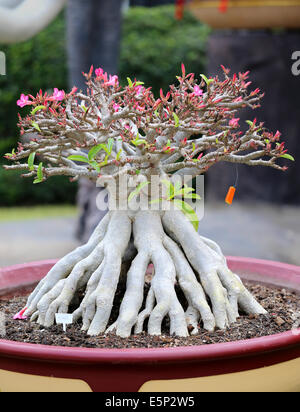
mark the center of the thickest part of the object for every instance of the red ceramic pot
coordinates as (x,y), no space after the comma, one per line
(269,363)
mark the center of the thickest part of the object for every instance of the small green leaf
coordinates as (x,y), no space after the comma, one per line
(176,119)
(137,190)
(138,142)
(139,83)
(129,82)
(194,147)
(249,123)
(288,156)
(36,126)
(31,161)
(36,109)
(78,158)
(11,154)
(188,211)
(184,191)
(104,163)
(110,145)
(40,175)
(119,154)
(170,187)
(192,196)
(207,81)
(152,202)
(95,150)
(40,171)
(95,165)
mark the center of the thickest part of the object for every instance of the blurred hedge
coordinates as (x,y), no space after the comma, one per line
(153,46)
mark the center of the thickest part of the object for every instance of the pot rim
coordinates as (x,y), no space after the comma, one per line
(179,354)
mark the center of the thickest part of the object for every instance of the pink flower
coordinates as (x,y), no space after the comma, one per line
(113,81)
(99,72)
(197,91)
(138,90)
(23,101)
(234,122)
(58,95)
(116,107)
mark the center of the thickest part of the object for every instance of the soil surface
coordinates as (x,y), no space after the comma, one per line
(283,308)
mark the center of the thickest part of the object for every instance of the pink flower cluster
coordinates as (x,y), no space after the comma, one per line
(111,81)
(58,95)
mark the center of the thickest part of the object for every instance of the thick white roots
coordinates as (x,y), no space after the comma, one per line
(212,292)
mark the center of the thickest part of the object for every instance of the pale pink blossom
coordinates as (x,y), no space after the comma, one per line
(116,107)
(139,89)
(58,95)
(234,122)
(99,72)
(113,81)
(197,91)
(23,101)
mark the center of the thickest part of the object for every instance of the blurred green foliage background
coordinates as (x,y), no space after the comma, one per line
(153,47)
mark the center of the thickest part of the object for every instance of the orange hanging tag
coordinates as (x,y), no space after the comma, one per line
(223,6)
(230,195)
(179,9)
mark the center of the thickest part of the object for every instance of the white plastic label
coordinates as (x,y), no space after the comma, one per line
(64,319)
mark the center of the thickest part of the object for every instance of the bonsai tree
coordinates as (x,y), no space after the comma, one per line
(124,134)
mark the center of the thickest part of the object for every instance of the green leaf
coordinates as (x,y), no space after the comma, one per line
(139,83)
(110,145)
(192,196)
(36,126)
(78,158)
(249,123)
(40,171)
(185,191)
(95,150)
(138,142)
(31,161)
(170,188)
(95,165)
(288,156)
(11,154)
(104,163)
(176,119)
(36,109)
(152,202)
(119,154)
(207,81)
(40,175)
(188,211)
(194,147)
(129,82)
(137,190)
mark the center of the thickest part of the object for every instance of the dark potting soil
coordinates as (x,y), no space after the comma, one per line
(283,308)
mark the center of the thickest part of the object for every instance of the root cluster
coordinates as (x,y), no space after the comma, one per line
(213,293)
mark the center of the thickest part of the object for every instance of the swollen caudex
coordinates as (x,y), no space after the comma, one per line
(199,270)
